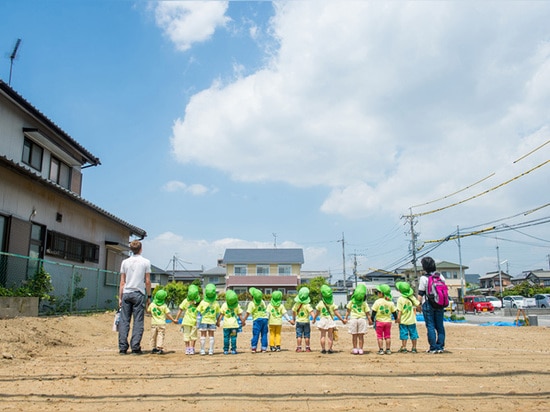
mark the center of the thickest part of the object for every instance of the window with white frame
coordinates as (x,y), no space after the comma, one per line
(262,270)
(285,270)
(240,270)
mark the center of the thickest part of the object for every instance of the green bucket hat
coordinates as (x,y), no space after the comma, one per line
(326,293)
(276,298)
(385,290)
(256,294)
(359,294)
(303,296)
(231,299)
(210,294)
(405,289)
(193,293)
(160,297)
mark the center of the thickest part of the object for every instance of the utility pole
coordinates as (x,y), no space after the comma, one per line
(343,261)
(499,272)
(355,265)
(274,240)
(462,290)
(412,222)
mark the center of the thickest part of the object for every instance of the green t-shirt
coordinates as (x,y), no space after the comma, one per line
(257,311)
(384,308)
(190,309)
(302,310)
(230,316)
(358,311)
(407,308)
(276,314)
(209,312)
(158,313)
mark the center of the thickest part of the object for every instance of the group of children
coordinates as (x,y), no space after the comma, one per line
(205,315)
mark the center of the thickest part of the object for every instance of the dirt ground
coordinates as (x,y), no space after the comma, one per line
(72,363)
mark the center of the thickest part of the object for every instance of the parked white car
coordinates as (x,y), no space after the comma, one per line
(513,301)
(497,303)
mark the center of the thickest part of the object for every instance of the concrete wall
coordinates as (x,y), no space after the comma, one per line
(11,306)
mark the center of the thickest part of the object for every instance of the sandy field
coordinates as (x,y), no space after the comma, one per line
(71,363)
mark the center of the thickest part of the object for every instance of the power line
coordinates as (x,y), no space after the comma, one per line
(482,193)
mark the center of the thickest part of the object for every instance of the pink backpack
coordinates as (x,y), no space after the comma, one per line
(437,291)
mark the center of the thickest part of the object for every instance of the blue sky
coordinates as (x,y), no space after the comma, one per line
(245,124)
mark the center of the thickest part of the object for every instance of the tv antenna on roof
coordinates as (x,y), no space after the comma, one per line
(12,57)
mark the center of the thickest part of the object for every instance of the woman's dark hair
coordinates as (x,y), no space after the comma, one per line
(428,264)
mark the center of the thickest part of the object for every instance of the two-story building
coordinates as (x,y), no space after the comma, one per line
(42,213)
(538,277)
(490,282)
(265,269)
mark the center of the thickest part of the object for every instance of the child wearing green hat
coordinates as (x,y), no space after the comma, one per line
(382,310)
(159,312)
(301,311)
(229,312)
(357,318)
(407,305)
(258,309)
(277,312)
(209,309)
(189,322)
(327,310)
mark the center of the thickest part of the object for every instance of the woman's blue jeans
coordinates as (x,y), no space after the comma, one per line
(434,325)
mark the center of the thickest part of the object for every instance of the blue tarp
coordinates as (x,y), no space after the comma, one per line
(502,324)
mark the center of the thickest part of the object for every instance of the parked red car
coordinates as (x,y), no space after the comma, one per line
(477,304)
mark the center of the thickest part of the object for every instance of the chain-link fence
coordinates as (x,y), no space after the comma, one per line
(75,288)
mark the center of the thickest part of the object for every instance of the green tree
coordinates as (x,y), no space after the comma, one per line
(314,287)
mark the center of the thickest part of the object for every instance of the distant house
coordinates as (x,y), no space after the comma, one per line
(216,275)
(306,276)
(380,277)
(265,269)
(537,277)
(185,276)
(159,276)
(490,282)
(42,212)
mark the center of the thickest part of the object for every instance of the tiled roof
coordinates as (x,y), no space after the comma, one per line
(33,111)
(263,256)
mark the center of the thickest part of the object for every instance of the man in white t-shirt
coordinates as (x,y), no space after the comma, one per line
(134,295)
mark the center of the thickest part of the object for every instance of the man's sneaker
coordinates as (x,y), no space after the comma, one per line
(440,351)
(277,348)
(381,352)
(388,352)
(137,352)
(160,352)
(202,352)
(272,348)
(430,351)
(123,352)
(210,352)
(225,352)
(233,352)
(155,350)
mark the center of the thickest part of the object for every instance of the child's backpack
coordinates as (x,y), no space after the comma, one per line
(437,291)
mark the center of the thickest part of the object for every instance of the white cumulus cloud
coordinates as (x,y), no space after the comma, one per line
(189,22)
